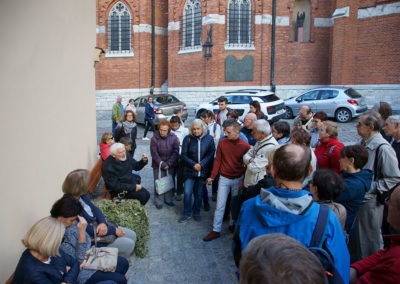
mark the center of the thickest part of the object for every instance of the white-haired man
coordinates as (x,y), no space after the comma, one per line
(118,176)
(392,129)
(247,128)
(382,160)
(256,158)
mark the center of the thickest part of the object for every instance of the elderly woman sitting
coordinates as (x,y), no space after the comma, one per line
(42,262)
(197,154)
(76,184)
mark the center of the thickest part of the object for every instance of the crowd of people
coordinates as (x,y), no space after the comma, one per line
(288,191)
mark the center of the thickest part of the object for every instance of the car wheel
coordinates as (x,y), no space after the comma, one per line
(343,115)
(198,114)
(289,113)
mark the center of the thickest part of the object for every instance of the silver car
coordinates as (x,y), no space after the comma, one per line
(341,103)
(164,107)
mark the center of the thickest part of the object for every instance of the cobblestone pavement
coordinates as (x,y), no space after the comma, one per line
(177,253)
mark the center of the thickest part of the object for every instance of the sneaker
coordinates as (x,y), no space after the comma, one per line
(184,219)
(197,218)
(170,203)
(178,197)
(206,206)
(145,138)
(158,206)
(212,235)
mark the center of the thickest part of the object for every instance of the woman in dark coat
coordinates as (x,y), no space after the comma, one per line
(127,128)
(198,150)
(164,149)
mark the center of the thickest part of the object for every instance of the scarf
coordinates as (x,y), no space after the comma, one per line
(128,126)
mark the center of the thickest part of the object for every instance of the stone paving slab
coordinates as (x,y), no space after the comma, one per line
(177,253)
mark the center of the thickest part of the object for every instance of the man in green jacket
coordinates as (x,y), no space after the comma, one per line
(117,112)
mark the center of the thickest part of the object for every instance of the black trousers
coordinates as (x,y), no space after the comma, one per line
(142,195)
(148,124)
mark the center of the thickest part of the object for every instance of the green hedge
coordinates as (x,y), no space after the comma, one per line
(132,215)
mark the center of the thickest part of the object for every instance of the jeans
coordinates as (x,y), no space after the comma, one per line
(192,186)
(114,125)
(158,199)
(118,276)
(148,124)
(126,243)
(225,186)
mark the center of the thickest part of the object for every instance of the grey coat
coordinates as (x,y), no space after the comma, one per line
(389,173)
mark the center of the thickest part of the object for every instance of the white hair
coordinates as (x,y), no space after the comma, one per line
(114,147)
(262,126)
(200,123)
(394,119)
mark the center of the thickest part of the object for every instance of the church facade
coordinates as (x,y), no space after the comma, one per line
(199,49)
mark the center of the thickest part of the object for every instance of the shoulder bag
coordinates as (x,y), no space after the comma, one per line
(163,184)
(102,259)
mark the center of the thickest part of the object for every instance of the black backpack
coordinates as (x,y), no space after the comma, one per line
(317,247)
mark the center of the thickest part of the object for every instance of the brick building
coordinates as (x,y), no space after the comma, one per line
(317,42)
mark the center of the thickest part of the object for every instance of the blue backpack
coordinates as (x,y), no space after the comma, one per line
(317,247)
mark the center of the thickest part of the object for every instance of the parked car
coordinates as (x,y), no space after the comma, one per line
(341,103)
(271,105)
(164,106)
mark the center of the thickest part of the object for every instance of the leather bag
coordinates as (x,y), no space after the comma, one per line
(164,184)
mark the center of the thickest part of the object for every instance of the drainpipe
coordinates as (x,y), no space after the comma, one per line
(152,45)
(273,45)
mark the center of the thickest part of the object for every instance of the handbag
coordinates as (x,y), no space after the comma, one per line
(102,259)
(106,239)
(164,184)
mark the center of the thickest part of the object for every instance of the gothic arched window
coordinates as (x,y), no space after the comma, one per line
(239,21)
(119,29)
(192,24)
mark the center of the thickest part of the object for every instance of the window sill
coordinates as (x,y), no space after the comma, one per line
(240,46)
(111,54)
(191,49)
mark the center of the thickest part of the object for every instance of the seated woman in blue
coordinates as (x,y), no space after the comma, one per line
(42,262)
(76,242)
(76,184)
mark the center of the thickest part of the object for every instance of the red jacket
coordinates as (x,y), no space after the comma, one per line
(326,161)
(104,150)
(229,158)
(381,267)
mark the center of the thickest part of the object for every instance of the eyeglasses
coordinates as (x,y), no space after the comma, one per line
(111,137)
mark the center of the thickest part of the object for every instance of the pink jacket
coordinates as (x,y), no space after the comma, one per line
(104,150)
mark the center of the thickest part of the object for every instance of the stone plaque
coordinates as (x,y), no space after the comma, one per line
(238,70)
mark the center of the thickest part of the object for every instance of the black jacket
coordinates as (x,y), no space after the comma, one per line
(119,133)
(118,175)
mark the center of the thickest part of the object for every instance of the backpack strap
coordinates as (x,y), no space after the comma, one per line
(320,227)
(376,162)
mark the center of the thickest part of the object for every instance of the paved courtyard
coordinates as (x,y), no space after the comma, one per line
(177,253)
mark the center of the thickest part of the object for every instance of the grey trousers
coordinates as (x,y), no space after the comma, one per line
(126,243)
(159,199)
(368,238)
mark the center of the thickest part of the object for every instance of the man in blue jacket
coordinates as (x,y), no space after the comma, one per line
(286,208)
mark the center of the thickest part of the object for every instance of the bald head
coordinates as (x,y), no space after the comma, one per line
(292,162)
(249,120)
(305,112)
(394,209)
(119,99)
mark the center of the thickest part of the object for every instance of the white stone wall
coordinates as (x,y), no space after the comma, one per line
(193,96)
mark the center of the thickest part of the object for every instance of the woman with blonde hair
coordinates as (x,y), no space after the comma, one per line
(42,262)
(328,148)
(76,184)
(106,141)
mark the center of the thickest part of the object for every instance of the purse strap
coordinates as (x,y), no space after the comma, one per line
(159,170)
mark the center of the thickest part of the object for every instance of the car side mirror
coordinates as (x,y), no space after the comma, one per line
(299,100)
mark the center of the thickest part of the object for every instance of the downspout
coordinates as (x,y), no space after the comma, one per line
(152,45)
(273,45)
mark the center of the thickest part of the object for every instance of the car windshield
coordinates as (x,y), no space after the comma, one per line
(269,98)
(162,100)
(352,93)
